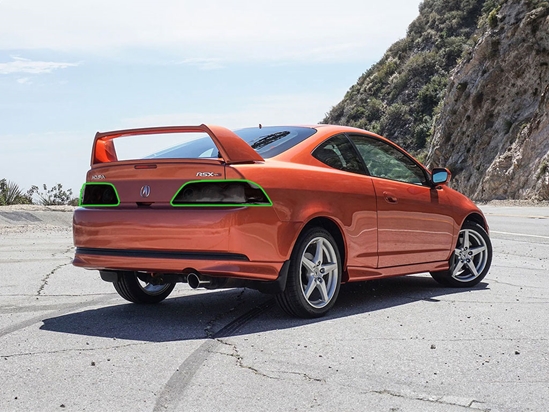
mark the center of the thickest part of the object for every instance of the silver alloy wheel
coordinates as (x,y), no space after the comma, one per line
(151,289)
(319,272)
(470,256)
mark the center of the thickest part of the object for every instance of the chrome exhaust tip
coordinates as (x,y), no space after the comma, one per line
(196,282)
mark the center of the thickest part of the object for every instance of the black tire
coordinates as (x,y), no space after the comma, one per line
(131,288)
(314,275)
(471,259)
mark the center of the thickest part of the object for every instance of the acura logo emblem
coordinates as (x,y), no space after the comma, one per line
(145,191)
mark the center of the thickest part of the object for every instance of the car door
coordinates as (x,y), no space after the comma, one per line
(360,212)
(413,218)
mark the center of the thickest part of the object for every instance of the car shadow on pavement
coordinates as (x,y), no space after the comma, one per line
(207,314)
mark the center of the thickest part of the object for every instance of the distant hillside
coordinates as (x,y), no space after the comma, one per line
(467,89)
(397,96)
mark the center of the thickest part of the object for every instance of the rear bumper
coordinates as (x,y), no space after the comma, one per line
(212,264)
(247,243)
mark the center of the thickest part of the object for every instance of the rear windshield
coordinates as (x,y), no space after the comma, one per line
(267,141)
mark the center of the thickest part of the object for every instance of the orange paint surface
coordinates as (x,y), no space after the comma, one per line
(385,227)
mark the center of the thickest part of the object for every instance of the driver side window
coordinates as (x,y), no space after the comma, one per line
(385,161)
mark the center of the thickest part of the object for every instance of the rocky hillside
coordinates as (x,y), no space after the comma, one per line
(493,128)
(397,96)
(467,89)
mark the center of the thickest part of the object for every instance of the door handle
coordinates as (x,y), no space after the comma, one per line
(390,198)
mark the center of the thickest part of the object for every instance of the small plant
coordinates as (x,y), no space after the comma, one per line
(54,196)
(544,168)
(507,125)
(11,194)
(493,19)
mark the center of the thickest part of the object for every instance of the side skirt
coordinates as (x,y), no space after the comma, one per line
(357,274)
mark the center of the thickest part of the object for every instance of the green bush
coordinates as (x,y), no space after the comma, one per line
(422,131)
(373,110)
(543,169)
(430,95)
(11,194)
(395,119)
(54,196)
(493,19)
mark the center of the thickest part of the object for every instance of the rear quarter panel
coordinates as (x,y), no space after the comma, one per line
(301,193)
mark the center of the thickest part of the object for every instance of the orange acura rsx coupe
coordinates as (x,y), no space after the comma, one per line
(292,211)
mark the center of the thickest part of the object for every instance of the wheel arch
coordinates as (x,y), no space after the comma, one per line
(477,218)
(334,229)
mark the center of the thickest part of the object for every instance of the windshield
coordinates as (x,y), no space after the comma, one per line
(267,141)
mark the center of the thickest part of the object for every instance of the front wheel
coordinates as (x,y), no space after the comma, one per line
(130,287)
(470,260)
(314,275)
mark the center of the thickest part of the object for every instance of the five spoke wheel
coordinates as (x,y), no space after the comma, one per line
(470,256)
(471,259)
(319,272)
(314,276)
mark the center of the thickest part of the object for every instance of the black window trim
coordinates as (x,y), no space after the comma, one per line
(357,153)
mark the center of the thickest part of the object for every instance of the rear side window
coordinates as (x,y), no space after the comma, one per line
(339,153)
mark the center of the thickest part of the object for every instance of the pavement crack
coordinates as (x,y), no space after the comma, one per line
(47,277)
(240,360)
(437,399)
(70,249)
(53,352)
(305,376)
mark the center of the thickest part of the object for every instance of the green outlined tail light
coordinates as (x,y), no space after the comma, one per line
(221,193)
(100,194)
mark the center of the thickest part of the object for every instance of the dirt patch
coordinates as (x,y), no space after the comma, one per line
(25,218)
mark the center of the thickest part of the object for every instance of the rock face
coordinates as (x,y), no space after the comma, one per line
(493,128)
(397,97)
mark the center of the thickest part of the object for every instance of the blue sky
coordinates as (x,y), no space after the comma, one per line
(71,68)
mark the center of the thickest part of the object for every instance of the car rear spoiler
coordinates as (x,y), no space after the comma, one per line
(231,147)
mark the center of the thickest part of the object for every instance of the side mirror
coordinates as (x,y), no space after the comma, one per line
(440,176)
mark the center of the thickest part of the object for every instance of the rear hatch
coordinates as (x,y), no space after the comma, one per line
(146,183)
(148,167)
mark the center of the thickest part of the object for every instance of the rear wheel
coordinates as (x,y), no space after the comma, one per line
(471,259)
(314,276)
(133,289)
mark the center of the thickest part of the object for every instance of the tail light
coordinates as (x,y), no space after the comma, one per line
(221,193)
(99,195)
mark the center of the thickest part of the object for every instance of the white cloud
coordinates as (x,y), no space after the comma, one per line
(230,30)
(24,80)
(203,63)
(20,65)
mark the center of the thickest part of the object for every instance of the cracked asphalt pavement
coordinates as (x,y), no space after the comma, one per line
(69,342)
